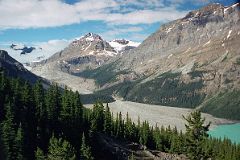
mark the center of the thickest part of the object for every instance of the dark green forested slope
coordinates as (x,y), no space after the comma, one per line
(166,89)
(102,75)
(52,124)
(224,104)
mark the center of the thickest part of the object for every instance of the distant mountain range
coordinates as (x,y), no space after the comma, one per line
(36,53)
(89,51)
(190,62)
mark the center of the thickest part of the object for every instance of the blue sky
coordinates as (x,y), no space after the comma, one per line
(35,21)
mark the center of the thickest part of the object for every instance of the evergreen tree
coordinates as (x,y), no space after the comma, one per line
(128,129)
(97,118)
(19,143)
(85,150)
(107,121)
(157,139)
(2,153)
(8,135)
(144,133)
(39,101)
(39,155)
(60,149)
(53,102)
(196,134)
(120,126)
(131,157)
(78,110)
(28,121)
(40,114)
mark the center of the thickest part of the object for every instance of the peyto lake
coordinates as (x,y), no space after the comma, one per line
(230,131)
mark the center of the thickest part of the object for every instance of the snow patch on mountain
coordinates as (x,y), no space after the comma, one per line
(229,34)
(208,42)
(169,30)
(121,45)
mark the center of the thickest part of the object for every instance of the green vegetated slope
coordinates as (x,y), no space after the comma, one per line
(102,75)
(224,104)
(92,98)
(166,89)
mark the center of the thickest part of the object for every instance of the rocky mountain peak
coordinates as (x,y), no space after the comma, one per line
(92,44)
(205,11)
(92,37)
(214,12)
(211,8)
(89,37)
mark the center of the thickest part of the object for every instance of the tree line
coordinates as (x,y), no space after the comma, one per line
(38,123)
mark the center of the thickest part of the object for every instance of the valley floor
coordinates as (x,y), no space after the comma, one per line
(157,114)
(154,114)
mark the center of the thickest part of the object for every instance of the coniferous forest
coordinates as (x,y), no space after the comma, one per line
(52,124)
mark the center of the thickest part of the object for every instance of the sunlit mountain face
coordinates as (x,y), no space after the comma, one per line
(119,79)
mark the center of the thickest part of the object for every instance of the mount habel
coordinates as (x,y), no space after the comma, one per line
(93,44)
(88,51)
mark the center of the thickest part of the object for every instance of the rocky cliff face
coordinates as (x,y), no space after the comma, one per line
(212,28)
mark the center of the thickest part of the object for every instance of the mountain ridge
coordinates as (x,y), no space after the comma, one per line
(183,64)
(13,68)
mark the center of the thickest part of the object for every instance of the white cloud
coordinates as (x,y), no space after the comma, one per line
(146,16)
(51,13)
(52,46)
(112,33)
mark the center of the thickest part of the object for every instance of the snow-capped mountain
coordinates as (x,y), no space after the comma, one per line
(96,45)
(88,51)
(121,45)
(92,44)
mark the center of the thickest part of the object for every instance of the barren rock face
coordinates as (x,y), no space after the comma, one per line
(204,40)
(196,32)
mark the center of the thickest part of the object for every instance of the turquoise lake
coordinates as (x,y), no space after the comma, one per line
(231,131)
